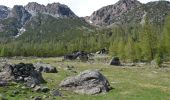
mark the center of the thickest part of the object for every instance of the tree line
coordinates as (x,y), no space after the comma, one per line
(129,42)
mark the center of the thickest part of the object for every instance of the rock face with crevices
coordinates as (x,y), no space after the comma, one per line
(87,82)
(4,12)
(54,9)
(130,12)
(24,73)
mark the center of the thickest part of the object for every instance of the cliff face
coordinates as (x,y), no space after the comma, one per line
(4,11)
(54,9)
(129,11)
(36,22)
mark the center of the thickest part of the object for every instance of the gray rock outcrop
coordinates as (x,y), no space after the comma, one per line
(54,9)
(4,12)
(130,11)
(87,82)
(24,73)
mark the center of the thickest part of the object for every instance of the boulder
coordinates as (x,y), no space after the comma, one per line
(41,89)
(47,68)
(83,56)
(24,73)
(102,51)
(154,64)
(55,93)
(115,61)
(87,82)
(70,57)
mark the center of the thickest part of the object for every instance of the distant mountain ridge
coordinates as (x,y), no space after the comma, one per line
(54,19)
(14,22)
(54,9)
(130,11)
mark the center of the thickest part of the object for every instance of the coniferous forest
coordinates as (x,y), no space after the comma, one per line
(129,42)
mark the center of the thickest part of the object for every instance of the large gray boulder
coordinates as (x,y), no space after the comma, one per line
(22,73)
(47,68)
(87,82)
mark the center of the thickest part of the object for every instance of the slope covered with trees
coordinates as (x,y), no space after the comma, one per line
(46,35)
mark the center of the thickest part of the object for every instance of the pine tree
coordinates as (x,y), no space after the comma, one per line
(148,40)
(165,41)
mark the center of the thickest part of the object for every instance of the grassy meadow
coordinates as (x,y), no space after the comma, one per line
(127,82)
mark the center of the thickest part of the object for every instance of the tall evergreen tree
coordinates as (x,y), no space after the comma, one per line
(148,40)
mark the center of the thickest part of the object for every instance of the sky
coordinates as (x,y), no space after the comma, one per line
(79,7)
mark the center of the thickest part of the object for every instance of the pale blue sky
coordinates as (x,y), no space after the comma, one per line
(80,7)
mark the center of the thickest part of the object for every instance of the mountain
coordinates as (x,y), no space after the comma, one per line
(130,11)
(55,20)
(35,20)
(4,11)
(54,9)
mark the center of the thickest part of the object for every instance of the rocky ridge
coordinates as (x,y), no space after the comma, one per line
(130,11)
(54,9)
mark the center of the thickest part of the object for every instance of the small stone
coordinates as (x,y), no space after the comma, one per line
(37,89)
(45,89)
(55,93)
(37,98)
(33,86)
(115,61)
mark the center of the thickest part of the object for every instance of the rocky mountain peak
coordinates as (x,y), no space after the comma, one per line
(4,11)
(54,9)
(60,10)
(35,7)
(20,13)
(130,11)
(129,4)
(105,15)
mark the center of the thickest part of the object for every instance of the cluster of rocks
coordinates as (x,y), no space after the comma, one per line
(82,55)
(54,93)
(102,51)
(28,74)
(21,72)
(41,89)
(87,82)
(47,68)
